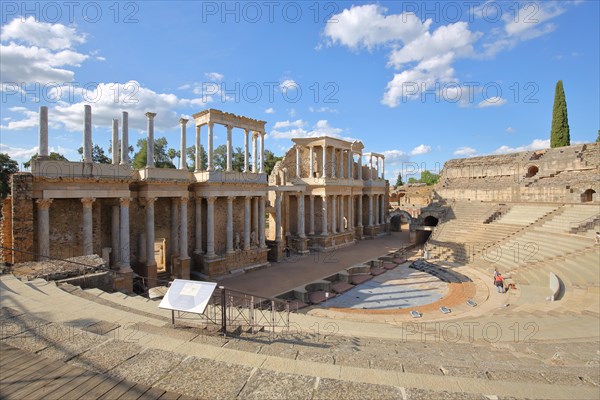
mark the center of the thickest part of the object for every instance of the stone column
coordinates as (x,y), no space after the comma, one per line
(88,238)
(333,162)
(43,216)
(342,228)
(87,133)
(198,152)
(382,168)
(311,163)
(370,210)
(324,175)
(43,132)
(150,261)
(261,217)
(324,215)
(370,167)
(255,215)
(125,138)
(262,155)
(246,131)
(198,226)
(115,141)
(174,227)
(350,212)
(376,212)
(150,144)
(210,226)
(183,240)
(360,176)
(254,153)
(382,209)
(311,216)
(341,163)
(229,145)
(297,161)
(359,215)
(334,214)
(277,216)
(350,162)
(301,217)
(114,236)
(124,234)
(247,216)
(183,148)
(230,224)
(209,155)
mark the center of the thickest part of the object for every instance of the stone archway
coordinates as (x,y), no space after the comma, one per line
(395,219)
(588,196)
(532,171)
(430,220)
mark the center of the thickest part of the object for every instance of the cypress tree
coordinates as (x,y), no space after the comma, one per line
(559,136)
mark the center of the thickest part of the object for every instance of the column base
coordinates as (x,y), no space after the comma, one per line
(182,268)
(242,260)
(150,273)
(299,245)
(276,250)
(123,281)
(358,232)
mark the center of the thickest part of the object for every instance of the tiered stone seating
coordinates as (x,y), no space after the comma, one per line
(523,215)
(571,216)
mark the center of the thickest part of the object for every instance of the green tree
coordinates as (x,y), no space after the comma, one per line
(399,180)
(598,138)
(270,161)
(172,154)
(98,155)
(52,156)
(191,154)
(559,135)
(412,180)
(110,149)
(8,166)
(429,178)
(161,156)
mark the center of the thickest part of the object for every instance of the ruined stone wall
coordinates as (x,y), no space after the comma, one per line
(22,217)
(562,174)
(6,231)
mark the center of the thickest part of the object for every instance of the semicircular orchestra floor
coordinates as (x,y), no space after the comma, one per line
(399,288)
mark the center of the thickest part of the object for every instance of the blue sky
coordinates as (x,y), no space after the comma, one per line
(421,82)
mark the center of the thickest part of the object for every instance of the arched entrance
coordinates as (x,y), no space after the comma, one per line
(588,196)
(400,219)
(532,171)
(430,221)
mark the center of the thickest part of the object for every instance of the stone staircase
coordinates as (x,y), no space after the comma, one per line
(304,364)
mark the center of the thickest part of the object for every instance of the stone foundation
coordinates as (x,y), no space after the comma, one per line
(331,241)
(241,259)
(276,251)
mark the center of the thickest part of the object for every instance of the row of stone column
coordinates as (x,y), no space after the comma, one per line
(120,229)
(379,159)
(332,222)
(255,202)
(347,154)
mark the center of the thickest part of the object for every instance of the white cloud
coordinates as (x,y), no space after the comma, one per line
(323,110)
(214,76)
(289,124)
(107,101)
(420,150)
(492,102)
(367,26)
(270,110)
(531,20)
(510,129)
(42,34)
(295,129)
(465,151)
(393,157)
(536,144)
(21,154)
